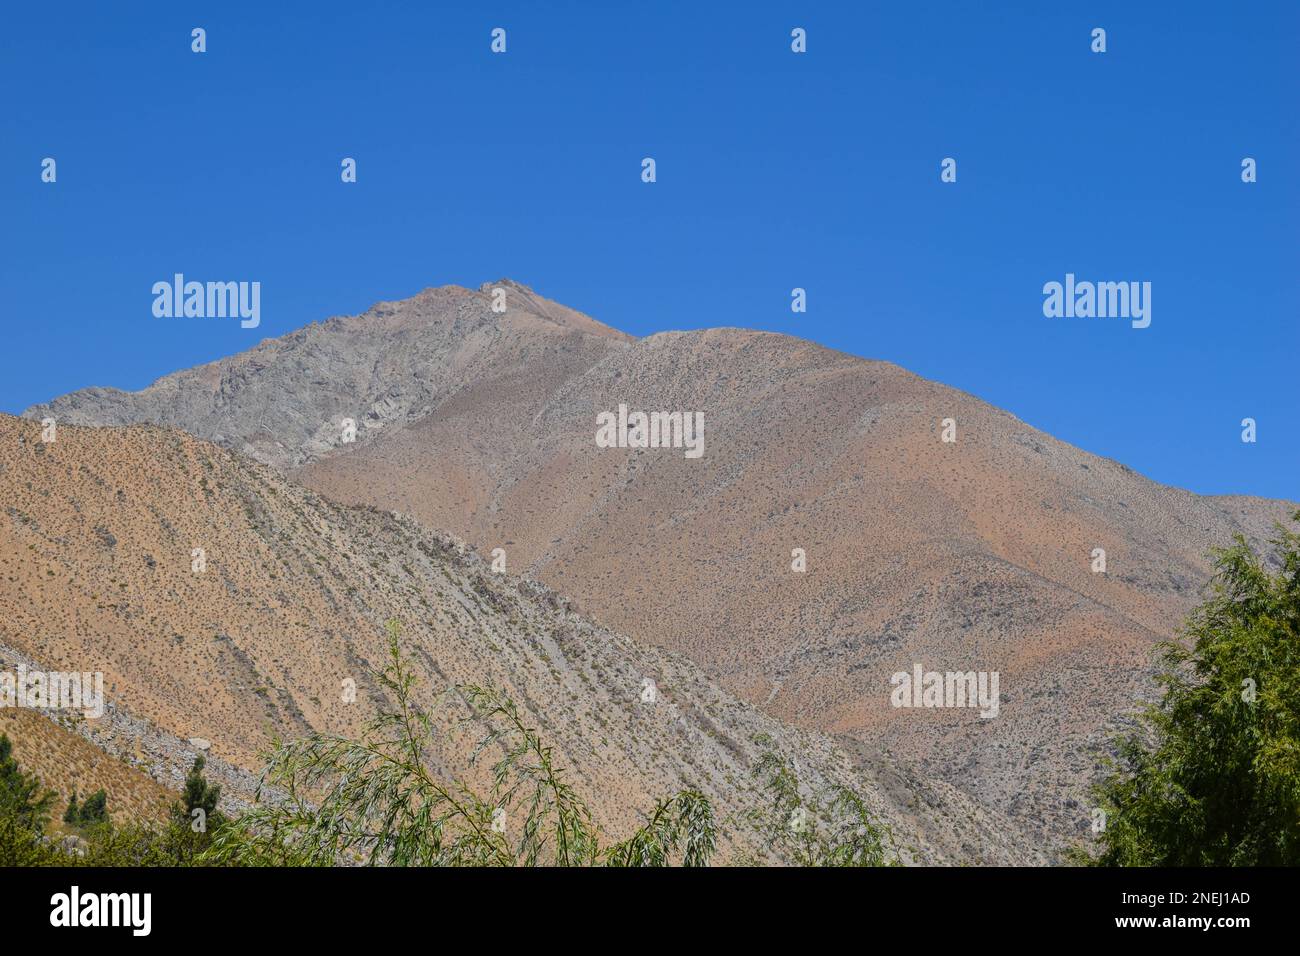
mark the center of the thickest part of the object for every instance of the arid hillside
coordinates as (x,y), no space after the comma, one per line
(259,634)
(66,762)
(975,554)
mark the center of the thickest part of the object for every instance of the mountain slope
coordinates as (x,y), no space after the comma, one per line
(97,573)
(970,555)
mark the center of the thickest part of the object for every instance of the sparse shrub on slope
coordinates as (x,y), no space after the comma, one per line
(1212,778)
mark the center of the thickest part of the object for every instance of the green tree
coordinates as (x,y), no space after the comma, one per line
(72,813)
(94,809)
(1211,777)
(201,796)
(194,819)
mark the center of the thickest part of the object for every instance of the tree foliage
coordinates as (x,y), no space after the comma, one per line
(198,795)
(1212,775)
(22,798)
(832,826)
(376,800)
(682,823)
(94,809)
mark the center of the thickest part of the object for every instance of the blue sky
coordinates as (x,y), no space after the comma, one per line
(775,170)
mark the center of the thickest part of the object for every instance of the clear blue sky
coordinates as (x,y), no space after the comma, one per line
(774,170)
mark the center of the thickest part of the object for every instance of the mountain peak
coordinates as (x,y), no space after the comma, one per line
(506,283)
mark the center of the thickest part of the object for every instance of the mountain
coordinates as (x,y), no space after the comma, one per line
(970,555)
(98,573)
